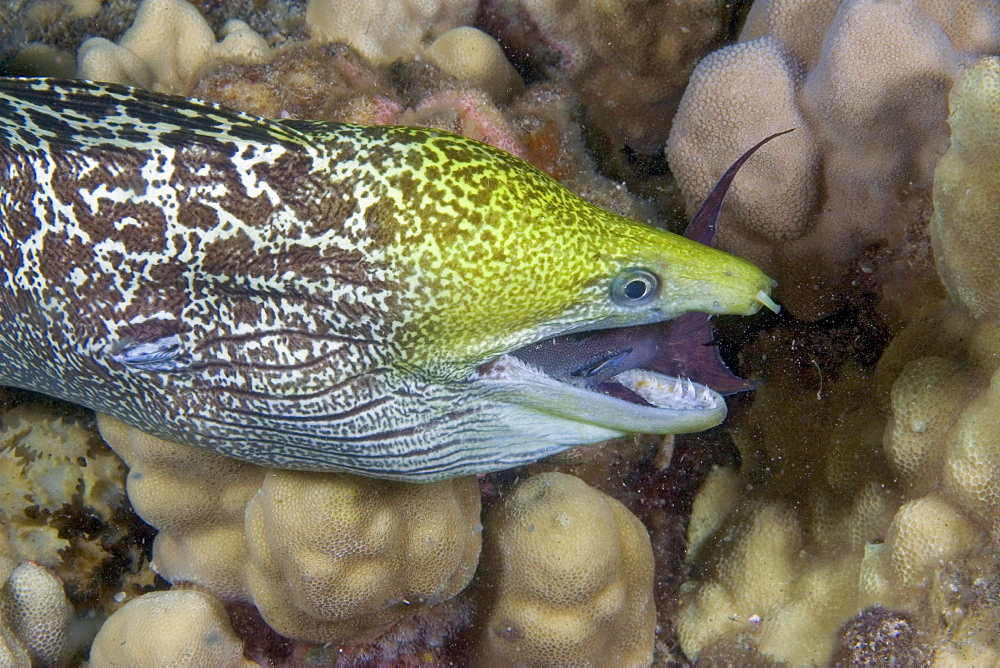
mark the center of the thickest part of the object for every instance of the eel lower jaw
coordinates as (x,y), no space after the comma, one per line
(634,401)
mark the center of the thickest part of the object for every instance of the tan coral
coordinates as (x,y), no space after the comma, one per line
(766,545)
(967,201)
(168,43)
(927,398)
(717,496)
(971,25)
(50,458)
(177,627)
(972,467)
(798,25)
(36,610)
(911,525)
(780,574)
(748,91)
(337,556)
(924,533)
(472,56)
(12,651)
(966,194)
(765,586)
(385,30)
(570,572)
(196,499)
(878,81)
(323,556)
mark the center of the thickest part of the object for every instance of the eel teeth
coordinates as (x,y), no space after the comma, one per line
(667,392)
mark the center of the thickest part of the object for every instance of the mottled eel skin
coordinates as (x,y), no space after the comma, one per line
(322,296)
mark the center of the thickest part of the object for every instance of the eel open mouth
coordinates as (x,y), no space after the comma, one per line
(665,377)
(666,364)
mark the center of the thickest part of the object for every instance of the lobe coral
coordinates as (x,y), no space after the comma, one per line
(865,84)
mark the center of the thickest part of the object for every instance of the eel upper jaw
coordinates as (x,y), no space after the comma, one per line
(669,405)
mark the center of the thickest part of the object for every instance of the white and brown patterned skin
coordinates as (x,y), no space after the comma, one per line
(300,294)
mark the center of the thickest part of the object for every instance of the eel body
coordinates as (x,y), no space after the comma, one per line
(324,296)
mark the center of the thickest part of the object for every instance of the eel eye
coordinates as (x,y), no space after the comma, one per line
(634,287)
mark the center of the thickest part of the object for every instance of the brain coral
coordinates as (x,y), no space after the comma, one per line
(571,572)
(858,80)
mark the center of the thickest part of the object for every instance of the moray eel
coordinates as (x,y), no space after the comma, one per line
(323,296)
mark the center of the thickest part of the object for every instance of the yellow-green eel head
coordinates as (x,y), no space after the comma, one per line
(321,296)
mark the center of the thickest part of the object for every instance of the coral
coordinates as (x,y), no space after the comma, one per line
(196,499)
(775,549)
(972,477)
(167,44)
(386,30)
(63,504)
(337,556)
(923,533)
(35,609)
(967,197)
(921,530)
(178,627)
(41,60)
(322,556)
(472,56)
(570,573)
(718,494)
(767,590)
(12,652)
(798,25)
(53,462)
(851,177)
(926,399)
